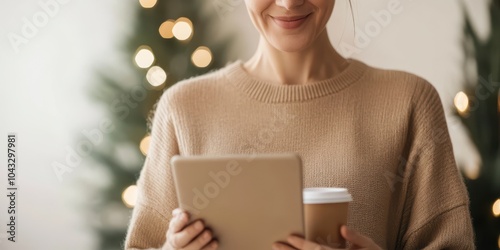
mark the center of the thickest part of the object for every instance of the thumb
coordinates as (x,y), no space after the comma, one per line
(177,211)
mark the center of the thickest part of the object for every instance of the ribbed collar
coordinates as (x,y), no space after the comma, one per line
(269,92)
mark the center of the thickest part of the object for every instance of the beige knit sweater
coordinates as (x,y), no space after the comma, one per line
(380,133)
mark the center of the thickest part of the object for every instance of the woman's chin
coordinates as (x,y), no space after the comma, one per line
(291,46)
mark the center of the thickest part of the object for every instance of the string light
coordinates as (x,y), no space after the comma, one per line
(472,172)
(461,102)
(144,57)
(156,76)
(148,3)
(166,29)
(498,101)
(202,57)
(183,29)
(496,208)
(144,145)
(498,241)
(129,196)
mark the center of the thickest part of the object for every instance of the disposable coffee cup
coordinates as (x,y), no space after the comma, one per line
(325,211)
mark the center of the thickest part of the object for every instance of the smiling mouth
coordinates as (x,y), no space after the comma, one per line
(290,22)
(291,18)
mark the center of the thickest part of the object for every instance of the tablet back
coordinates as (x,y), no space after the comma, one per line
(249,201)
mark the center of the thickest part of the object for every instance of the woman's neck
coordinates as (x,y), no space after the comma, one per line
(318,62)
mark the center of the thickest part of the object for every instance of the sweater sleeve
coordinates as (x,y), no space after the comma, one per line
(435,212)
(156,192)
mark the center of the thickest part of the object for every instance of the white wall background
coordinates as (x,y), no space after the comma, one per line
(44,98)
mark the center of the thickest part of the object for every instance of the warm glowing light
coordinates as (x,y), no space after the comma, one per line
(496,208)
(144,145)
(144,57)
(156,76)
(499,105)
(129,196)
(183,29)
(461,102)
(148,3)
(202,57)
(166,29)
(498,241)
(472,172)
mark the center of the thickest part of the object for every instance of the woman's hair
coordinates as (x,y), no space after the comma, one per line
(352,13)
(353,20)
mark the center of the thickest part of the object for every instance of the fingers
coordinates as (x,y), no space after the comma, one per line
(211,246)
(186,235)
(358,241)
(189,237)
(297,242)
(301,243)
(178,222)
(177,211)
(355,238)
(202,241)
(282,246)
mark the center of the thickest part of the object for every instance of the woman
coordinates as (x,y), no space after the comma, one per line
(380,133)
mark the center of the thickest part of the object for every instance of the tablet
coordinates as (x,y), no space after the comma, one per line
(248,201)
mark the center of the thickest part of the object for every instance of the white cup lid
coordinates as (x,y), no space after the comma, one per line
(326,195)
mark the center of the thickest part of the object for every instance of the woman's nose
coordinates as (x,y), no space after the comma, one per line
(289,4)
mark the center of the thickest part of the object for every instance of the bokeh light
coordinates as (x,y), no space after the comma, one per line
(461,102)
(129,196)
(496,208)
(498,241)
(148,3)
(202,57)
(499,101)
(144,57)
(156,76)
(144,145)
(166,29)
(183,29)
(472,173)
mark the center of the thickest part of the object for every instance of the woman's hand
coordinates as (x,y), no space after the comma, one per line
(181,236)
(357,240)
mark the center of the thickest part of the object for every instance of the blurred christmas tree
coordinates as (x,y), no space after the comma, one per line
(170,42)
(478,107)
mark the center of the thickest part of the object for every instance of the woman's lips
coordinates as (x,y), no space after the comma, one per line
(290,22)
